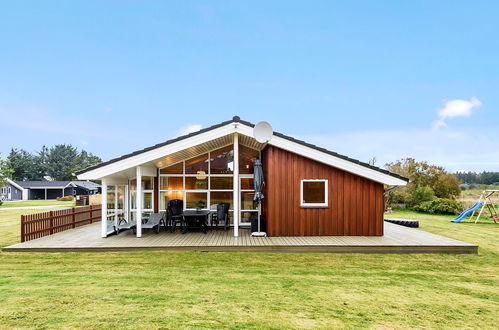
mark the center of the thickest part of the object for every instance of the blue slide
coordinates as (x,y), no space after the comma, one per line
(467,212)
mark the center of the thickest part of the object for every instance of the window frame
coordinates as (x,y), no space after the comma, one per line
(315,205)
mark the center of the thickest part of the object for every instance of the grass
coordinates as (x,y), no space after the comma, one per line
(36,203)
(253,290)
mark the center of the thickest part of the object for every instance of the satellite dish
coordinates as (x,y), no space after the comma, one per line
(262,132)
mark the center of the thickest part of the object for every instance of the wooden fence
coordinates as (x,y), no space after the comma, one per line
(47,223)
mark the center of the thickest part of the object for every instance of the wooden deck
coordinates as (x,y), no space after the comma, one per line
(397,239)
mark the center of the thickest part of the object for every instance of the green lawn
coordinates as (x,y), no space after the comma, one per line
(36,203)
(253,290)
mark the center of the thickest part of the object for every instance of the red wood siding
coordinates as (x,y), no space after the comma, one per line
(156,194)
(355,206)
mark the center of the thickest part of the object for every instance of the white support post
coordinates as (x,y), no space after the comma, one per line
(115,206)
(62,192)
(104,208)
(45,193)
(236,211)
(126,209)
(138,197)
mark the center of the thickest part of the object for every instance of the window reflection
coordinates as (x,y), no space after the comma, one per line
(247,157)
(192,166)
(196,200)
(222,161)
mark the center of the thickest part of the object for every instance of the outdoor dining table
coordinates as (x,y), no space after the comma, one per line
(201,216)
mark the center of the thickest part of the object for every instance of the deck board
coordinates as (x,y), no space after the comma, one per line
(397,239)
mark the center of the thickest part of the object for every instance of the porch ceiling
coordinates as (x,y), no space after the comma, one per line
(191,153)
(204,148)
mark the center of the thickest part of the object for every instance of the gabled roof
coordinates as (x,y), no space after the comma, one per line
(14,184)
(236,125)
(45,184)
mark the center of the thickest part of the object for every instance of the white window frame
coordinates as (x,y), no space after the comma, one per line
(209,175)
(315,205)
(144,191)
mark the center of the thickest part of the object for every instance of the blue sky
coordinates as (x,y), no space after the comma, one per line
(384,79)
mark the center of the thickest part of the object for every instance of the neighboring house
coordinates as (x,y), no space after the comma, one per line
(309,190)
(12,191)
(86,188)
(24,190)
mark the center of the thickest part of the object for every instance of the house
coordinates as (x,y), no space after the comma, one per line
(28,190)
(12,191)
(309,190)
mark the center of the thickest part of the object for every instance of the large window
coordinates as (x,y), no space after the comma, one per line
(207,180)
(314,193)
(147,196)
(115,193)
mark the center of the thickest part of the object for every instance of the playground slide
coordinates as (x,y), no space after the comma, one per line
(467,212)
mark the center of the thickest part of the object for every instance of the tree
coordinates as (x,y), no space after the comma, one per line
(22,164)
(5,172)
(41,166)
(63,160)
(424,179)
(84,160)
(60,162)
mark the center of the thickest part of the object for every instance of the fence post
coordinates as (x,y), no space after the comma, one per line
(23,219)
(51,222)
(91,219)
(73,217)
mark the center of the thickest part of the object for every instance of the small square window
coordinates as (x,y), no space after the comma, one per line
(314,193)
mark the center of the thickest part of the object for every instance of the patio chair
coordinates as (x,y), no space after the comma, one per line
(125,225)
(222,214)
(153,222)
(174,210)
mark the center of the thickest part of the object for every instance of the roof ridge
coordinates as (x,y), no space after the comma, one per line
(237,119)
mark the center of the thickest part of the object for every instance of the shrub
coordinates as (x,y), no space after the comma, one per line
(440,206)
(66,198)
(1,202)
(422,194)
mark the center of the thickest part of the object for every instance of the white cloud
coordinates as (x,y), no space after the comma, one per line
(453,150)
(189,129)
(84,143)
(108,109)
(455,108)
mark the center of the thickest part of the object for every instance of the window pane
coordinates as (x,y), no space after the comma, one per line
(314,192)
(247,183)
(198,165)
(222,161)
(174,169)
(247,201)
(247,158)
(147,183)
(110,200)
(224,182)
(221,197)
(195,200)
(121,197)
(247,216)
(171,183)
(147,201)
(196,183)
(133,200)
(167,196)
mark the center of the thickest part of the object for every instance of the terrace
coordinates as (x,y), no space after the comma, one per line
(397,239)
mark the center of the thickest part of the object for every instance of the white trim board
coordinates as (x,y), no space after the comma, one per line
(9,181)
(244,129)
